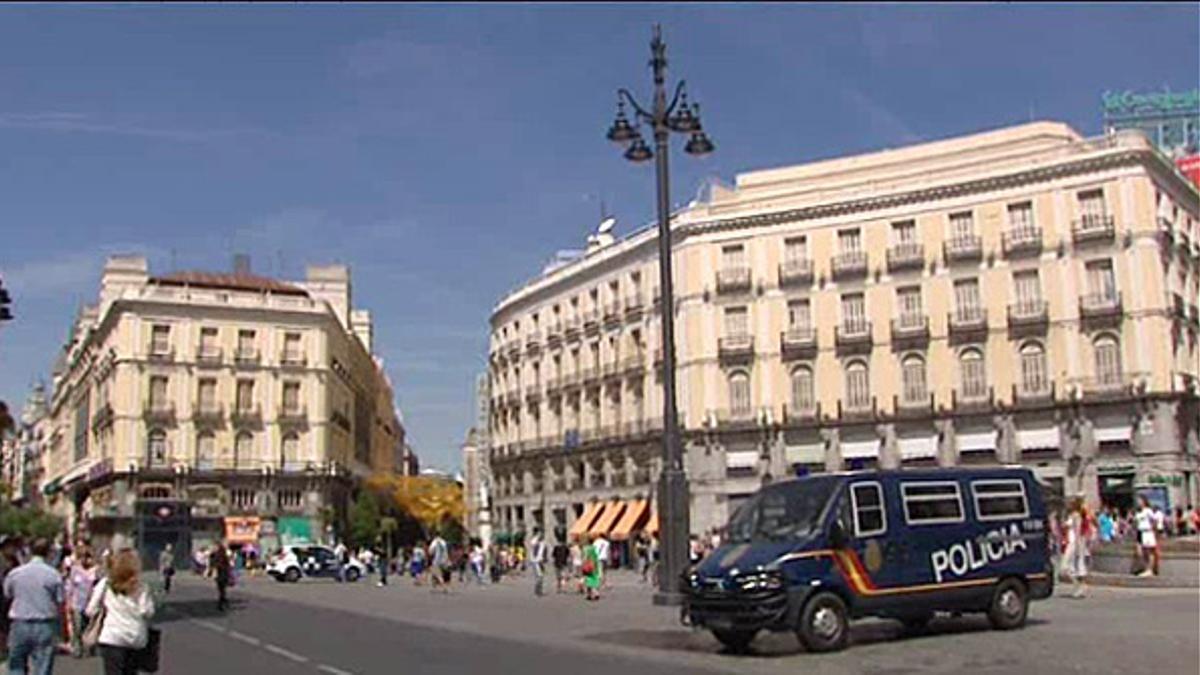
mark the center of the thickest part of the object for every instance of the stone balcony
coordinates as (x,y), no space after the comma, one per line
(796,272)
(1100,307)
(976,398)
(533,341)
(612,312)
(798,342)
(849,264)
(1022,241)
(209,357)
(208,413)
(733,280)
(634,365)
(1028,317)
(1111,387)
(906,256)
(246,415)
(857,411)
(159,413)
(247,356)
(853,336)
(735,347)
(1093,228)
(910,330)
(802,415)
(1042,394)
(292,359)
(634,306)
(963,248)
(913,407)
(292,416)
(967,324)
(591,320)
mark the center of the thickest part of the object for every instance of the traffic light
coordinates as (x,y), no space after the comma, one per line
(5,301)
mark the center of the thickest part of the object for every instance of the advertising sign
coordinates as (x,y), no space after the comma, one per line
(1190,166)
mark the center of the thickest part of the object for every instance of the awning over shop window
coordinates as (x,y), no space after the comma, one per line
(1114,434)
(635,516)
(1038,439)
(608,518)
(860,449)
(742,459)
(918,447)
(242,530)
(979,441)
(585,521)
(810,453)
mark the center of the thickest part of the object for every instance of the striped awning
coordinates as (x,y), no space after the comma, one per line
(607,519)
(860,449)
(979,441)
(582,523)
(1038,439)
(635,516)
(652,525)
(742,459)
(808,453)
(917,447)
(1114,433)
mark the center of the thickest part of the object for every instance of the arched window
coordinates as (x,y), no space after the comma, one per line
(739,394)
(912,372)
(156,447)
(802,389)
(858,385)
(243,448)
(1033,368)
(291,451)
(205,451)
(972,374)
(1108,360)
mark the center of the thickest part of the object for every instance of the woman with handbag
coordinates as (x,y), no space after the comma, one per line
(592,572)
(121,606)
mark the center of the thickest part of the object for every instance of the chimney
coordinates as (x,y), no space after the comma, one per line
(241,264)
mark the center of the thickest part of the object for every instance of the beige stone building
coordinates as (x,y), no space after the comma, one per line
(1022,296)
(192,407)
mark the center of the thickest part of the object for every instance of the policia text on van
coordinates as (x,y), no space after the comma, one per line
(810,554)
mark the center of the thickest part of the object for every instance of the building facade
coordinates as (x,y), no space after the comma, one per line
(1019,296)
(195,407)
(21,451)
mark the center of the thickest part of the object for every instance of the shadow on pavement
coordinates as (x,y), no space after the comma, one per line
(777,645)
(205,608)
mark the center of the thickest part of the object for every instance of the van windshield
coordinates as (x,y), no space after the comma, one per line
(784,511)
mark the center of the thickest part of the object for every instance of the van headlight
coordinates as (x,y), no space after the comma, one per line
(760,581)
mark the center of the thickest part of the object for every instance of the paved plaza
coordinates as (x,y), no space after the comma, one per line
(320,626)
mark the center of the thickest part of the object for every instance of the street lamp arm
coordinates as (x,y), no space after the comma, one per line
(675,98)
(633,102)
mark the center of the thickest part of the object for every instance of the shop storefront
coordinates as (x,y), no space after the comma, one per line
(1116,486)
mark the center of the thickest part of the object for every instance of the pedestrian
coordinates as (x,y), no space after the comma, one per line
(80,581)
(577,564)
(417,566)
(8,562)
(1147,541)
(439,557)
(35,590)
(603,553)
(218,562)
(1074,563)
(166,566)
(128,607)
(1105,524)
(342,557)
(477,561)
(592,570)
(537,561)
(562,564)
(384,562)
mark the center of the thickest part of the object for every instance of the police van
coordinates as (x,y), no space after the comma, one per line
(810,554)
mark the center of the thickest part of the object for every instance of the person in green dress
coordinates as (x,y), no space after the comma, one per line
(593,575)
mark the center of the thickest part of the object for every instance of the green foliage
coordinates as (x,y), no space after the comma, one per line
(365,516)
(26,522)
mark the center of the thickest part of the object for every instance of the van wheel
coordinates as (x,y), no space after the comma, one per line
(292,575)
(1010,605)
(823,624)
(736,641)
(352,574)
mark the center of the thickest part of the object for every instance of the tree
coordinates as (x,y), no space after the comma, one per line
(428,500)
(365,515)
(27,522)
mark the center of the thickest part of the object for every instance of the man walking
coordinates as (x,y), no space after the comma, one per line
(218,562)
(439,554)
(537,559)
(166,566)
(562,562)
(342,555)
(603,551)
(36,593)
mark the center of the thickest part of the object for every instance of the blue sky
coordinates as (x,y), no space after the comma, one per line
(445,152)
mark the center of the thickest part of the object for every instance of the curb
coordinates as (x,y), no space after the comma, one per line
(1130,581)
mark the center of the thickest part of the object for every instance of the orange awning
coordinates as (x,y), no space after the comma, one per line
(635,516)
(242,530)
(583,522)
(607,519)
(652,526)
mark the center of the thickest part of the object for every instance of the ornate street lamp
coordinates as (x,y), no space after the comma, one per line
(678,116)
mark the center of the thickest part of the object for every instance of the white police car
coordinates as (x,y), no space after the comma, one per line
(312,561)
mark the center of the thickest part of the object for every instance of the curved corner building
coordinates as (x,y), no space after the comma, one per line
(1020,296)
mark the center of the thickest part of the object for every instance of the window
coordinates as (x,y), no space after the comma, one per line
(799,316)
(904,232)
(1000,499)
(205,450)
(973,374)
(245,395)
(802,389)
(290,499)
(932,503)
(733,257)
(245,344)
(1108,360)
(1028,289)
(735,322)
(1100,279)
(208,341)
(243,448)
(1020,218)
(1033,368)
(869,516)
(858,387)
(1091,206)
(854,312)
(291,451)
(962,225)
(795,249)
(849,241)
(966,299)
(241,498)
(913,373)
(158,392)
(910,303)
(207,396)
(156,447)
(160,339)
(739,394)
(292,352)
(291,396)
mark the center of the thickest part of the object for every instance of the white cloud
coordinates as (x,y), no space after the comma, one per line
(68,272)
(74,122)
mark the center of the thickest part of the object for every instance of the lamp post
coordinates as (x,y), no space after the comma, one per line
(663,118)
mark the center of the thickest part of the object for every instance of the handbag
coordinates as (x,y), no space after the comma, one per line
(146,658)
(588,567)
(91,634)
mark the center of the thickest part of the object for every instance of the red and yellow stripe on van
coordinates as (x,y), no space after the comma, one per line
(859,579)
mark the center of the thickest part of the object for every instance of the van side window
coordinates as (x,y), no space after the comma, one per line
(932,503)
(1000,499)
(869,516)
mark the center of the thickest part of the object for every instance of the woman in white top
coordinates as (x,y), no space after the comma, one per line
(1075,556)
(127,608)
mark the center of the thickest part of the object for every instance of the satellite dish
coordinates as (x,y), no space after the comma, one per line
(606,225)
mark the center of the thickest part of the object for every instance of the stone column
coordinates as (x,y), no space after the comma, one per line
(947,443)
